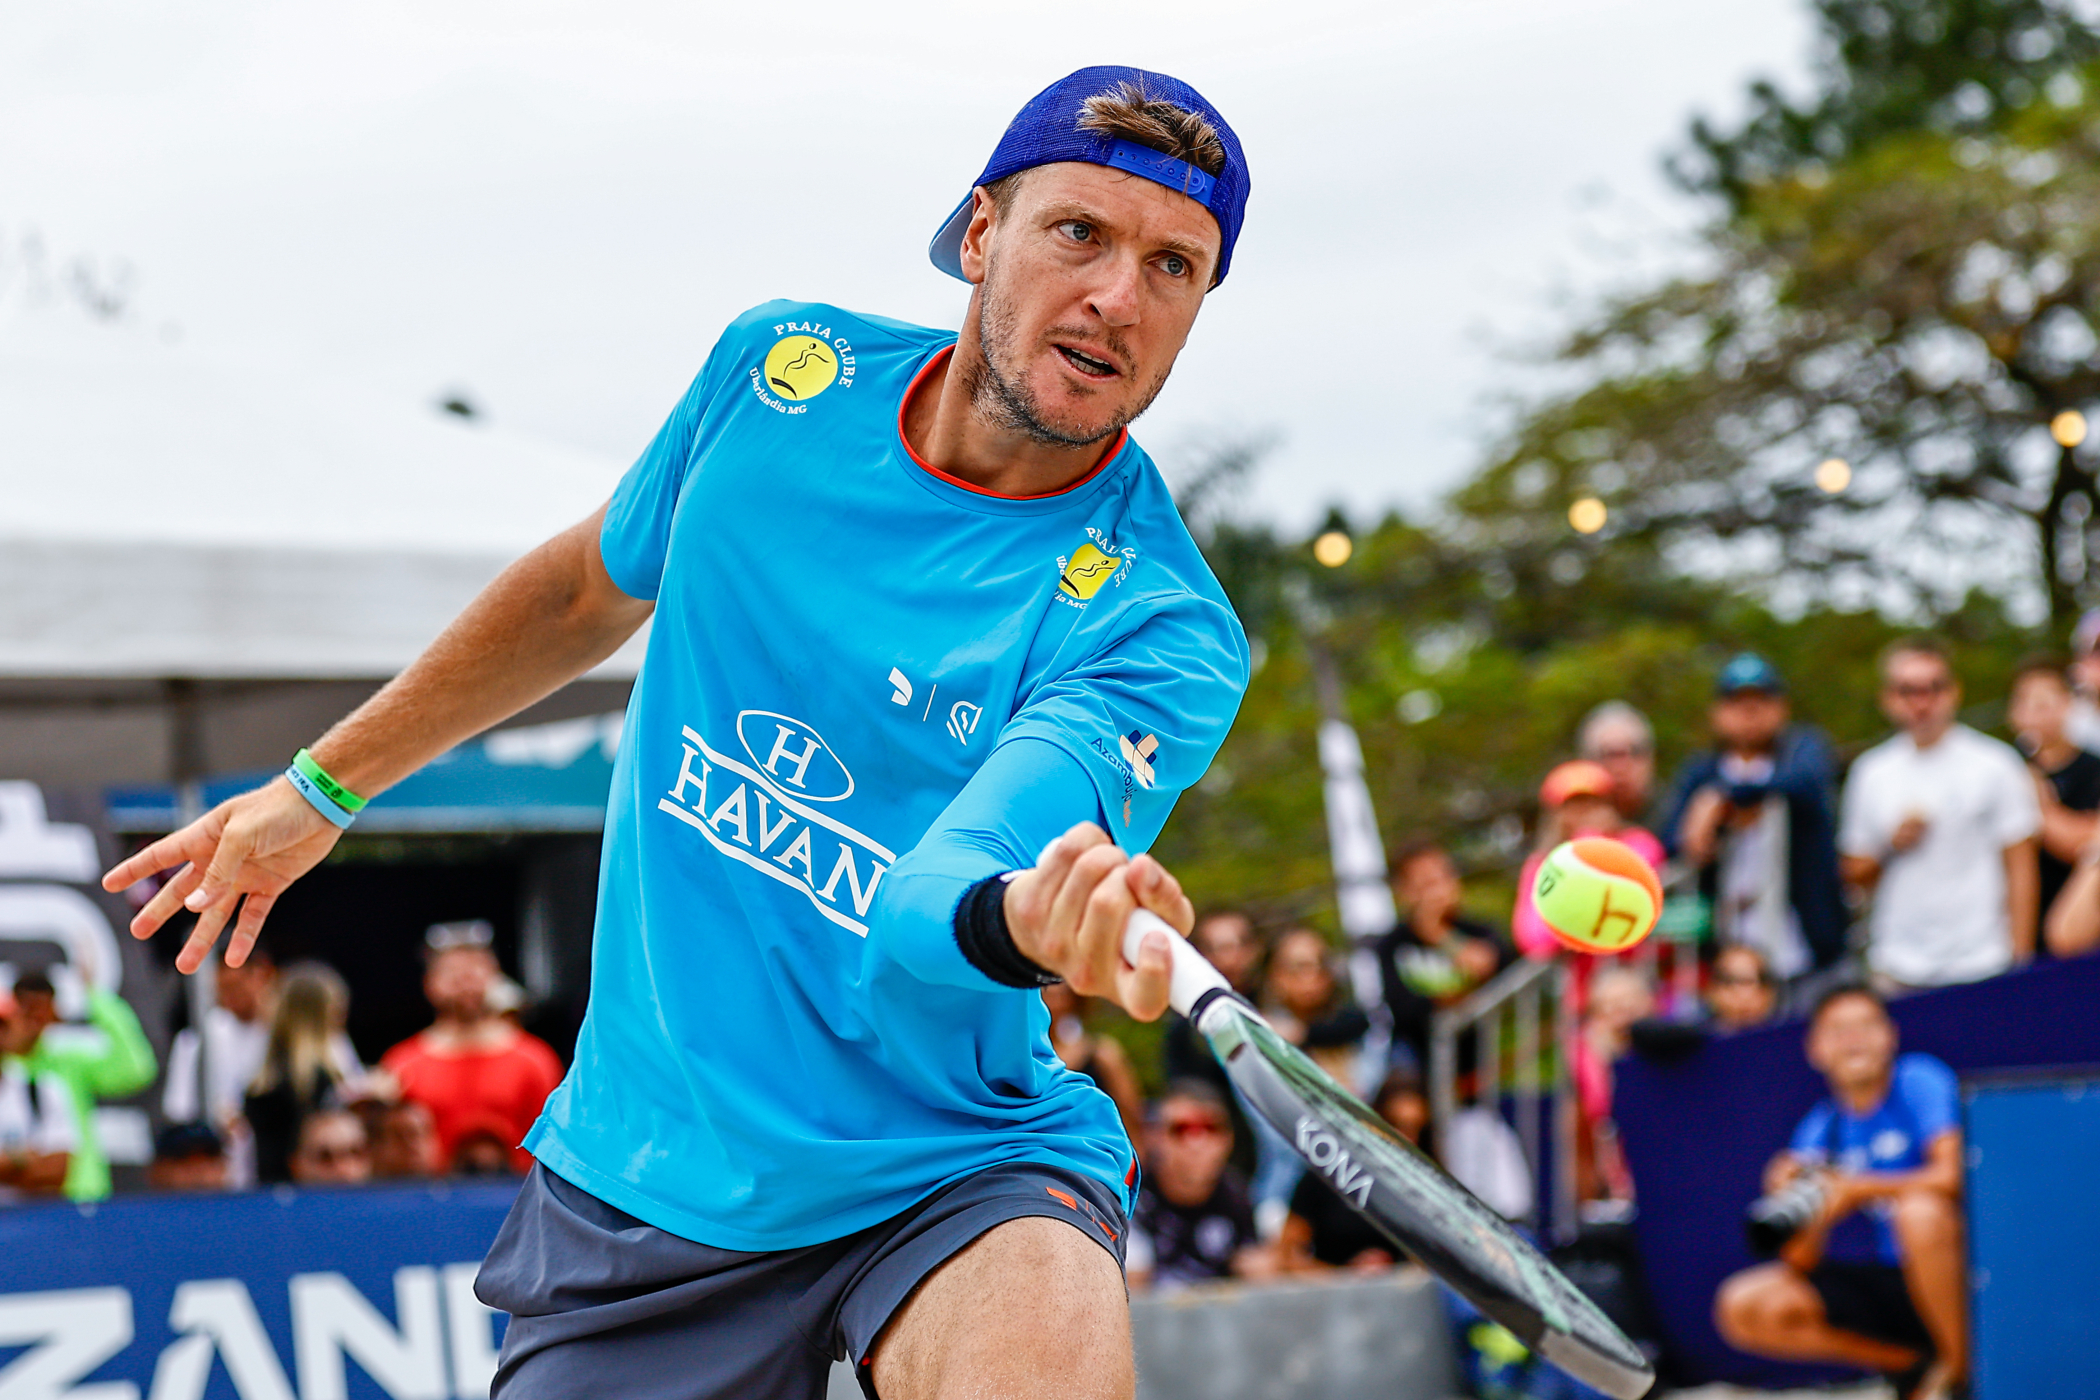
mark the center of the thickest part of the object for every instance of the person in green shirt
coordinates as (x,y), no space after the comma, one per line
(115,1060)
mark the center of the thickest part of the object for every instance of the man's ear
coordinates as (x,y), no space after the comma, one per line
(972,255)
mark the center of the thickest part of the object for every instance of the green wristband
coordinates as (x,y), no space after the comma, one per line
(334,791)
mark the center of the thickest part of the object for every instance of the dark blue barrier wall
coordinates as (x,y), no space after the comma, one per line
(1698,1133)
(323,1295)
(2034,1236)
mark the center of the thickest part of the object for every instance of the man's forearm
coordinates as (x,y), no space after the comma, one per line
(544,621)
(2022,897)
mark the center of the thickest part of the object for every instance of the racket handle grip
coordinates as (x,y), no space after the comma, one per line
(1191,974)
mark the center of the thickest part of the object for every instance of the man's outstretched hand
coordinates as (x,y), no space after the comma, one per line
(242,853)
(1067,915)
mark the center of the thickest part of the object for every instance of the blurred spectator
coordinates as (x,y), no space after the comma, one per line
(1876,1276)
(2067,777)
(331,1150)
(1940,823)
(1575,800)
(484,1148)
(1619,739)
(1323,1231)
(471,1067)
(107,1059)
(188,1157)
(2082,725)
(2074,921)
(237,1031)
(301,1071)
(1754,816)
(403,1138)
(1310,1007)
(1097,1057)
(1741,991)
(1619,997)
(1437,953)
(1194,1221)
(39,1130)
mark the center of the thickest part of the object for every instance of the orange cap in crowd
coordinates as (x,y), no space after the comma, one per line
(1577,778)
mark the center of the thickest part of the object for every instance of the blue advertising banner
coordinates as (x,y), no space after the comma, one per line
(335,1294)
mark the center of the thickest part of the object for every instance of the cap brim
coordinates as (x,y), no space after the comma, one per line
(946,247)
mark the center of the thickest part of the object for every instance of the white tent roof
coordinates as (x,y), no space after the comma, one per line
(165,514)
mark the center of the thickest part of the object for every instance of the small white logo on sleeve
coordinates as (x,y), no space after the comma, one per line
(1889,1144)
(902,683)
(1137,752)
(962,720)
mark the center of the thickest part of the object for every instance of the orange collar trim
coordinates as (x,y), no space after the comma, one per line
(911,391)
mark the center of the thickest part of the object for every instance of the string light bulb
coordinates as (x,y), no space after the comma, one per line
(1833,476)
(2068,428)
(1587,515)
(1334,548)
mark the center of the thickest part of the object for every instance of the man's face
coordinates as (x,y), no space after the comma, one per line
(1088,284)
(25,1025)
(1919,695)
(2040,704)
(1298,973)
(408,1144)
(1191,1143)
(201,1171)
(1853,1043)
(245,990)
(1749,721)
(1586,815)
(1629,757)
(1407,1111)
(1228,941)
(457,982)
(1428,881)
(331,1151)
(1738,992)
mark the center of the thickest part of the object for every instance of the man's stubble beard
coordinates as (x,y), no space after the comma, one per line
(1004,401)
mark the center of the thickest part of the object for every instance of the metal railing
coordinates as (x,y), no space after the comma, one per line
(1526,1006)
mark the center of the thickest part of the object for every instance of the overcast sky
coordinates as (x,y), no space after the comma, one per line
(555,207)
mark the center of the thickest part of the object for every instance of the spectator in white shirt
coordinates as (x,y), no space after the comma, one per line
(1941,824)
(37,1128)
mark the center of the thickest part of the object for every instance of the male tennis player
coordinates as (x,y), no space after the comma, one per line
(921,610)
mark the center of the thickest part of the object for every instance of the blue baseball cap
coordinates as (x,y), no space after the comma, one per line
(1748,671)
(1047,130)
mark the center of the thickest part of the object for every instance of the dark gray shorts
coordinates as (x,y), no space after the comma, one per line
(603,1305)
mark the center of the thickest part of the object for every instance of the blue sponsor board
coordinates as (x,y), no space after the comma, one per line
(329,1294)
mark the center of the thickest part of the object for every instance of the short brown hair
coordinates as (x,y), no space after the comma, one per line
(2041,663)
(1916,644)
(1413,849)
(1127,114)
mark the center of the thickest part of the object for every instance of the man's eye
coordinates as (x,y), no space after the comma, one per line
(1175,266)
(1077,231)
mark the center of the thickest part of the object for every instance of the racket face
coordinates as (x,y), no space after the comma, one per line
(1419,1207)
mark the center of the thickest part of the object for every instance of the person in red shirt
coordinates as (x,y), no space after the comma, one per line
(473,1067)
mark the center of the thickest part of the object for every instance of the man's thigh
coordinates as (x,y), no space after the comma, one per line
(1031,1307)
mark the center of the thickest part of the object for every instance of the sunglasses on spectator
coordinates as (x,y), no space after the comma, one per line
(1737,979)
(331,1155)
(1180,1128)
(1606,755)
(1923,690)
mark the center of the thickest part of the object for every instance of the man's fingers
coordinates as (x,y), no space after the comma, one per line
(254,909)
(1158,890)
(221,879)
(1099,954)
(1142,990)
(170,850)
(206,933)
(165,902)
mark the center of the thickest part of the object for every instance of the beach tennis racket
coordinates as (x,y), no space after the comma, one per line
(1408,1197)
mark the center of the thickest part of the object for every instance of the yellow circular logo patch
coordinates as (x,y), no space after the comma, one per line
(800,367)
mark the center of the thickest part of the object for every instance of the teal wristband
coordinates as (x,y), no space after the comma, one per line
(331,789)
(319,800)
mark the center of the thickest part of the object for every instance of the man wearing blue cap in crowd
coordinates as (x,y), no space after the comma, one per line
(923,614)
(1755,816)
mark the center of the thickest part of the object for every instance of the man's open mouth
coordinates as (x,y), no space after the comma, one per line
(1086,364)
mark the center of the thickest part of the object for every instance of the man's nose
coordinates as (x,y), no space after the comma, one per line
(1115,297)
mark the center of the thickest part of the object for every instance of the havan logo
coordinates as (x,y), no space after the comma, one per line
(1325,1151)
(757,814)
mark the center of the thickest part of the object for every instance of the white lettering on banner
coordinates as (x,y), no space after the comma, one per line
(332,1320)
(69,1333)
(789,832)
(800,760)
(220,1316)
